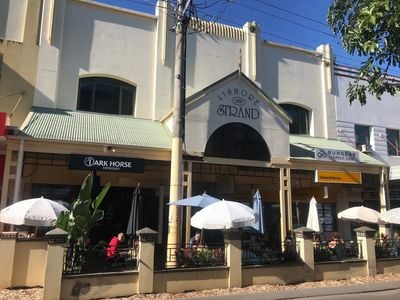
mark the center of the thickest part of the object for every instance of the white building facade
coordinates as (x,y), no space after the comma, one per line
(103,86)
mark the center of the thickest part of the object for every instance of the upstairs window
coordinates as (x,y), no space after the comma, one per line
(362,135)
(106,95)
(392,137)
(301,119)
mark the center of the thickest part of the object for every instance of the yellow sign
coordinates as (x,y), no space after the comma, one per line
(338,177)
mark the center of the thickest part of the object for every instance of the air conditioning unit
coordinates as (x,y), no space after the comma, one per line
(366,148)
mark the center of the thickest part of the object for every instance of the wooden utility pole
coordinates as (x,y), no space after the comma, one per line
(178,130)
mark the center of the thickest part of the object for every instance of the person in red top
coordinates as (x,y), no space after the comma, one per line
(112,250)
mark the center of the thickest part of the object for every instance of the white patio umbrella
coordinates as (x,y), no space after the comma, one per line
(391,216)
(32,212)
(313,218)
(257,207)
(199,201)
(224,215)
(360,214)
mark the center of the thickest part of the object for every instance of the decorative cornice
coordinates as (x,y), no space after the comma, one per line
(304,232)
(57,240)
(232,234)
(219,29)
(56,236)
(365,231)
(8,235)
(147,235)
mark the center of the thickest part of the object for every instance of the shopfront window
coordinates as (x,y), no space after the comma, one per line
(392,137)
(362,135)
(106,95)
(237,140)
(300,117)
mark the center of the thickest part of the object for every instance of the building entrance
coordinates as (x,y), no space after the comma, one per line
(117,208)
(239,183)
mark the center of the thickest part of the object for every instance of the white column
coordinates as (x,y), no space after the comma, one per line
(384,204)
(160,213)
(18,175)
(188,194)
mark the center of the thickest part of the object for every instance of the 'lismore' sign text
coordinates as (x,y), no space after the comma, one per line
(238,103)
(105,163)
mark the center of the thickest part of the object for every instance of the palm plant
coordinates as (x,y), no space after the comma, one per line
(83,216)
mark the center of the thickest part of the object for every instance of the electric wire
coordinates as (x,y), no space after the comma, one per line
(199,9)
(291,12)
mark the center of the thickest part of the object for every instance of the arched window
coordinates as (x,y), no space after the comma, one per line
(301,119)
(237,140)
(106,95)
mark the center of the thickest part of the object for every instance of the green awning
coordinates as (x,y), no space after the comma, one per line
(303,147)
(87,127)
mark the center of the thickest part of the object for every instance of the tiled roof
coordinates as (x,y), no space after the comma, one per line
(87,127)
(303,147)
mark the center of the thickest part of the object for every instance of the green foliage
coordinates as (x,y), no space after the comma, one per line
(370,29)
(84,214)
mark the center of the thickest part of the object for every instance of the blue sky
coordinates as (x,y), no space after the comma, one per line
(300,23)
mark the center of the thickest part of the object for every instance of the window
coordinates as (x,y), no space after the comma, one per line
(362,135)
(106,95)
(300,116)
(392,137)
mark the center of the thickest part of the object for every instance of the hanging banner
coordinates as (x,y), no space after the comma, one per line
(337,155)
(105,163)
(338,177)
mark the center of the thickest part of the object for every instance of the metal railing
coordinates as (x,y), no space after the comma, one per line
(345,250)
(258,253)
(195,257)
(95,260)
(387,248)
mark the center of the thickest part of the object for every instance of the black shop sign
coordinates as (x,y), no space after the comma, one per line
(105,163)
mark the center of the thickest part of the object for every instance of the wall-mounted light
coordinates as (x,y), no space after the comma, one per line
(109,149)
(326,192)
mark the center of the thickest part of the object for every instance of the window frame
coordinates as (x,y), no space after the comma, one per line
(94,82)
(390,144)
(367,136)
(300,113)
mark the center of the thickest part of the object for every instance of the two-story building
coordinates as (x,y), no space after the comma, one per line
(97,96)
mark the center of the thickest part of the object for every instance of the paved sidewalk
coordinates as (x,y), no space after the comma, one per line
(313,292)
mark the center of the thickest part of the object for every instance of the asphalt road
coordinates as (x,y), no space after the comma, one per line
(370,291)
(384,295)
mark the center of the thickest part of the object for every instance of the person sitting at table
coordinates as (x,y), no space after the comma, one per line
(335,240)
(113,247)
(336,245)
(195,241)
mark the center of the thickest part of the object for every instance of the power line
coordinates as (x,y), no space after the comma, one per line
(354,62)
(287,20)
(291,12)
(219,17)
(206,5)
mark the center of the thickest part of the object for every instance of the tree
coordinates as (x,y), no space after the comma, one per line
(371,29)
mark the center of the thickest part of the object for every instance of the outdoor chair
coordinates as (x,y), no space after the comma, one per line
(339,251)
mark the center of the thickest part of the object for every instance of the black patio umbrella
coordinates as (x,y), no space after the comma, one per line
(133,223)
